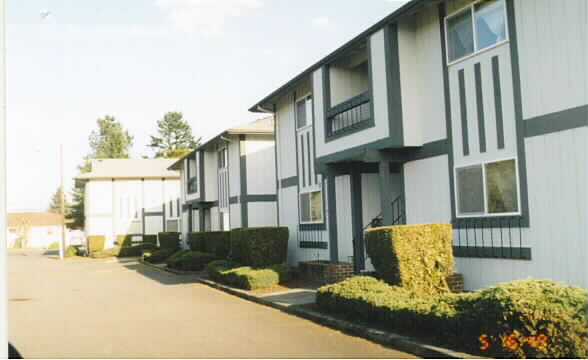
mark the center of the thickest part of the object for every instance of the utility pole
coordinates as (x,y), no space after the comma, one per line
(62,201)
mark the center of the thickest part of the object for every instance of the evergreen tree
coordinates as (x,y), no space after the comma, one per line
(55,203)
(174,138)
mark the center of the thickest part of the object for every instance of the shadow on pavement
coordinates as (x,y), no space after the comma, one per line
(162,276)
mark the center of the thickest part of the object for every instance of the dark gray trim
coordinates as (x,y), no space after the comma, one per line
(311,227)
(243,176)
(143,220)
(153,213)
(297,162)
(201,216)
(313,121)
(394,93)
(260,198)
(429,150)
(355,153)
(276,172)
(289,182)
(326,76)
(313,245)
(498,102)
(333,248)
(492,252)
(403,193)
(558,121)
(480,108)
(301,139)
(448,125)
(385,179)
(362,125)
(463,110)
(233,200)
(357,221)
(190,221)
(163,216)
(518,107)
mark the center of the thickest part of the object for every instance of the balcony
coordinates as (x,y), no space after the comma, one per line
(349,116)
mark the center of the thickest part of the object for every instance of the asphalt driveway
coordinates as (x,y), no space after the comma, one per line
(85,308)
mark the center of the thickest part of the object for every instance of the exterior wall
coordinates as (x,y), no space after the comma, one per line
(346,83)
(420,58)
(210,176)
(262,214)
(115,207)
(555,32)
(184,176)
(234,168)
(371,206)
(214,219)
(236,220)
(344,220)
(43,236)
(285,137)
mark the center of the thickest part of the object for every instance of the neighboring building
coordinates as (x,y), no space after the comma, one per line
(131,196)
(229,181)
(472,113)
(33,229)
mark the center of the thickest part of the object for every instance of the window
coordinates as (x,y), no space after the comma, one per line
(311,207)
(222,158)
(192,175)
(478,27)
(304,112)
(487,189)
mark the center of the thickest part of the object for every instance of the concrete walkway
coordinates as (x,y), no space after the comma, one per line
(85,308)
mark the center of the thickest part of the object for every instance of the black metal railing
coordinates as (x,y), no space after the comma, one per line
(348,114)
(311,237)
(499,237)
(398,215)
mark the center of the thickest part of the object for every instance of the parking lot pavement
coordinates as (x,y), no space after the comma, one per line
(86,308)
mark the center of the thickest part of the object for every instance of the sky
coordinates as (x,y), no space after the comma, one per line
(71,62)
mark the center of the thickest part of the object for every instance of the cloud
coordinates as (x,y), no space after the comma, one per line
(321,21)
(205,17)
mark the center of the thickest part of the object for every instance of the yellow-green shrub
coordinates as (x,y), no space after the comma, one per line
(53,246)
(95,243)
(259,246)
(417,257)
(246,277)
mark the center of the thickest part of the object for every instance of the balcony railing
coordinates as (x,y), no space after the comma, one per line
(349,115)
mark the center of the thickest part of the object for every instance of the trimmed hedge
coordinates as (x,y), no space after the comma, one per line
(169,240)
(527,318)
(95,243)
(246,277)
(213,242)
(53,246)
(124,240)
(137,250)
(157,256)
(189,260)
(150,239)
(259,246)
(71,251)
(418,257)
(105,253)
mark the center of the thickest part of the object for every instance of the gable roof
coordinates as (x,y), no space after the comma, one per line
(410,7)
(34,219)
(130,169)
(262,126)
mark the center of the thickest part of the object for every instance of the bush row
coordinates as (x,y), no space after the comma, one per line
(213,242)
(246,277)
(157,256)
(189,260)
(526,318)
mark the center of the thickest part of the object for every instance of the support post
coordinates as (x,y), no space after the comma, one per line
(385,191)
(331,199)
(357,221)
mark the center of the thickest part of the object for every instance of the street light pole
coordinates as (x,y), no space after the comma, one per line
(62,201)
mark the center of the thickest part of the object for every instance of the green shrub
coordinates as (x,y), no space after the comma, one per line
(150,239)
(213,242)
(124,240)
(169,240)
(418,257)
(95,243)
(105,253)
(53,246)
(246,277)
(136,250)
(71,251)
(259,246)
(511,318)
(190,260)
(157,256)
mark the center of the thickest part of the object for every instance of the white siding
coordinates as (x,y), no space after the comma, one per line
(344,222)
(286,137)
(98,199)
(379,79)
(235,211)
(421,78)
(346,83)
(260,155)
(426,184)
(214,219)
(210,176)
(553,48)
(371,205)
(262,214)
(234,167)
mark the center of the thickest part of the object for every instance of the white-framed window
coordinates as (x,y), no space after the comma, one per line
(192,174)
(479,26)
(487,189)
(311,207)
(223,158)
(304,111)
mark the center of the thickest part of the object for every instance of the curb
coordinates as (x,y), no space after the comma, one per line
(168,270)
(396,341)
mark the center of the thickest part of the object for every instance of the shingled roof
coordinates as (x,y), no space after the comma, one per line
(33,219)
(130,169)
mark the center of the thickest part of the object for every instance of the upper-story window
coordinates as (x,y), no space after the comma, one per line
(304,112)
(222,158)
(475,28)
(192,175)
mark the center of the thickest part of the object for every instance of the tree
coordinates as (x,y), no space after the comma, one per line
(55,203)
(109,141)
(174,138)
